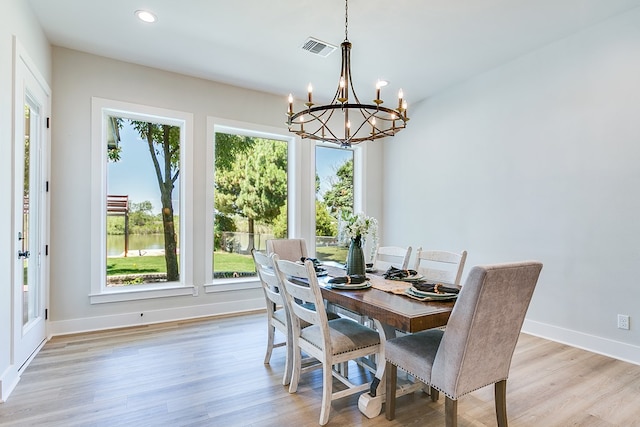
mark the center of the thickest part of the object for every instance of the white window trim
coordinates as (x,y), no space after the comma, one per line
(296,182)
(100,293)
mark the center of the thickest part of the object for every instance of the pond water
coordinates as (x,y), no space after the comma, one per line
(137,242)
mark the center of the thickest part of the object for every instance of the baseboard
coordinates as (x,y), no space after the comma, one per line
(8,381)
(89,324)
(616,349)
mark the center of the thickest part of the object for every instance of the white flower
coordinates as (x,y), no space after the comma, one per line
(357,226)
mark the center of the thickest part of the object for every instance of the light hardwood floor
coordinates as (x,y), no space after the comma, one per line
(211,373)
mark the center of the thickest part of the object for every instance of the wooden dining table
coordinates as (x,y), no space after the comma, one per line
(386,303)
(393,310)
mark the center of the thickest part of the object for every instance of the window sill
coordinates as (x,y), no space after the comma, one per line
(226,285)
(141,292)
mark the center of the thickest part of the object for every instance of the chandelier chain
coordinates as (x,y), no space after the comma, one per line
(346,20)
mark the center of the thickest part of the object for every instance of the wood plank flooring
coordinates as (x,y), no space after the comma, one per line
(211,373)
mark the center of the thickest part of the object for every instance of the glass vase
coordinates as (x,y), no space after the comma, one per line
(355,258)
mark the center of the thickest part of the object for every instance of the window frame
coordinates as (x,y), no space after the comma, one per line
(295,191)
(300,190)
(100,109)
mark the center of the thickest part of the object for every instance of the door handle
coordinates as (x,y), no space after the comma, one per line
(23,254)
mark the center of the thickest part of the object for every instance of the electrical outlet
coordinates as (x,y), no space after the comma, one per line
(623,321)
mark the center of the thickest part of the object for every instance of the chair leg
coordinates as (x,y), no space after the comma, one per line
(327,391)
(500,392)
(295,370)
(391,372)
(288,364)
(270,338)
(450,412)
(435,394)
(289,361)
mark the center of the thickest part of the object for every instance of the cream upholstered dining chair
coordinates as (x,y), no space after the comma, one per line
(476,348)
(289,249)
(440,266)
(333,342)
(277,314)
(387,256)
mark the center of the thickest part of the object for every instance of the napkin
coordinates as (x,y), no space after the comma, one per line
(313,260)
(354,279)
(436,288)
(396,274)
(317,265)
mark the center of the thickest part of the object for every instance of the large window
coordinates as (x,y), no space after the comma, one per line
(250,200)
(334,198)
(139,208)
(143,202)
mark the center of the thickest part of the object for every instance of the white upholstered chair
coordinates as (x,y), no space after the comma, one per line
(289,249)
(476,348)
(333,342)
(440,266)
(387,256)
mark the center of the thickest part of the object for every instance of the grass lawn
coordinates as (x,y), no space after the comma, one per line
(222,261)
(134,265)
(225,261)
(332,253)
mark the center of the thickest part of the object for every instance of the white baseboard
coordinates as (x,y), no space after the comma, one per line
(74,326)
(8,381)
(616,349)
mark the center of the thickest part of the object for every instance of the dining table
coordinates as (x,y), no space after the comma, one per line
(386,302)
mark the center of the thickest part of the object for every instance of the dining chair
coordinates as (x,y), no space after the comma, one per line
(440,266)
(332,342)
(387,256)
(289,249)
(277,313)
(476,348)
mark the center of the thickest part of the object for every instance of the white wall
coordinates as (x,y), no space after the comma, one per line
(537,159)
(77,78)
(16,19)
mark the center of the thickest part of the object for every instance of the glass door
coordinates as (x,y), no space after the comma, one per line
(30,209)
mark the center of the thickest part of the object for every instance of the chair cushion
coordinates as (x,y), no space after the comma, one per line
(415,353)
(346,335)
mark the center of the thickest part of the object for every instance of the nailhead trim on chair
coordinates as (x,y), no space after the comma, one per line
(441,391)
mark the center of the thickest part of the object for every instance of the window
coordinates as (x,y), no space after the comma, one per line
(140,200)
(250,201)
(334,197)
(254,198)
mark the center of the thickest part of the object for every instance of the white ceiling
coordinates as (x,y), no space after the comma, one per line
(421,46)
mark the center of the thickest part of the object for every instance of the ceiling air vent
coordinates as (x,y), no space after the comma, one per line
(318,47)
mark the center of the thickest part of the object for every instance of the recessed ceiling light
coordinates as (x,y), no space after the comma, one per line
(146,16)
(382,83)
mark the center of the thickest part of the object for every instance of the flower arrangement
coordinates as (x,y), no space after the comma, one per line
(353,230)
(358,227)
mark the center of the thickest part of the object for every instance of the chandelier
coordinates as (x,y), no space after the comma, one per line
(345,120)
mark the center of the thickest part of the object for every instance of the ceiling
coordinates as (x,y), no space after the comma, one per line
(421,46)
